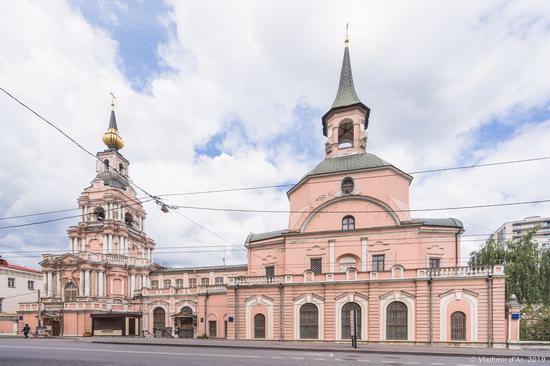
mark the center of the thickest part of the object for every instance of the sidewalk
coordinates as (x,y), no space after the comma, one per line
(325,347)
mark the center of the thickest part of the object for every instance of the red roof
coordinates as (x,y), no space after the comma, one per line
(4,263)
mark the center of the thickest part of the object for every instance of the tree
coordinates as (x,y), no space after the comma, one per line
(544,273)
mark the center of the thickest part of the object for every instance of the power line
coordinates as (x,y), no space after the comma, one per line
(77,144)
(285,185)
(224,209)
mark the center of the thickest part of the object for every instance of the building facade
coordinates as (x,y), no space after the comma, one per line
(350,247)
(513,230)
(17,284)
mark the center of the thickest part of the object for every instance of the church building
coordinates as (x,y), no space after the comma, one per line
(351,250)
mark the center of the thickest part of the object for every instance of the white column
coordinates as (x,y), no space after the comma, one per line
(142,224)
(132,284)
(125,241)
(58,287)
(100,275)
(81,283)
(331,258)
(364,254)
(87,282)
(44,283)
(49,282)
(71,243)
(104,244)
(110,243)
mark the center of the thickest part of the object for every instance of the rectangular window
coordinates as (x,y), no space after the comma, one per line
(316,265)
(205,281)
(30,285)
(270,271)
(1,305)
(167,283)
(212,329)
(192,282)
(219,280)
(435,262)
(154,284)
(378,262)
(179,283)
(11,282)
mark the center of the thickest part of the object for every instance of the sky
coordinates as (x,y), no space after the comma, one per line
(225,94)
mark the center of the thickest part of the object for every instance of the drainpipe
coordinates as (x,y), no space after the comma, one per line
(456,251)
(430,292)
(237,312)
(206,313)
(490,315)
(281,312)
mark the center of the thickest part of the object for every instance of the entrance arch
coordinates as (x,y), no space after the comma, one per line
(259,326)
(159,321)
(346,320)
(396,321)
(184,323)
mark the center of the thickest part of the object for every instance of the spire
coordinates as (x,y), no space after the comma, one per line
(346,95)
(111,138)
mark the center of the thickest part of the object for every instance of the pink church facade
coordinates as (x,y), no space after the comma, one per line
(351,243)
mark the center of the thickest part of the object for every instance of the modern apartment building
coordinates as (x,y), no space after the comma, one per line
(512,230)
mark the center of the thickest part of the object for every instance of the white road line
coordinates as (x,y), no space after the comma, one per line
(297,358)
(133,351)
(319,359)
(276,357)
(412,363)
(438,363)
(364,360)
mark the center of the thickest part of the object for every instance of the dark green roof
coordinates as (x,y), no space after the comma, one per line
(348,162)
(266,235)
(447,222)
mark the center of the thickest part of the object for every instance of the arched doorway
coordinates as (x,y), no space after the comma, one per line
(458,326)
(184,323)
(71,292)
(259,326)
(309,321)
(396,321)
(159,321)
(346,319)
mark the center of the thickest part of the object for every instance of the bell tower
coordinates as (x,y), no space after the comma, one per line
(345,124)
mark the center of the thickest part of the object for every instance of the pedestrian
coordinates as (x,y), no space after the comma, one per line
(26,330)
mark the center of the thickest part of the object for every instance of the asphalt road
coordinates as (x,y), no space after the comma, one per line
(61,352)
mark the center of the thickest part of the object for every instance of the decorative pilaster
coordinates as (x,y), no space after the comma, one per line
(58,287)
(87,282)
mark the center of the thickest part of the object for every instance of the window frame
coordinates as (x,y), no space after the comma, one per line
(155,284)
(348,223)
(11,282)
(458,334)
(192,282)
(30,285)
(219,280)
(346,184)
(378,259)
(167,281)
(205,281)
(311,265)
(179,282)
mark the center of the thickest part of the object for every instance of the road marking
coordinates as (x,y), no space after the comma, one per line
(140,352)
(438,363)
(364,360)
(276,357)
(412,363)
(319,359)
(297,358)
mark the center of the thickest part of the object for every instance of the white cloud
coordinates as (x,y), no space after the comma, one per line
(432,74)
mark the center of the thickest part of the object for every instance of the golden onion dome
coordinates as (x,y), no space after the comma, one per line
(112,139)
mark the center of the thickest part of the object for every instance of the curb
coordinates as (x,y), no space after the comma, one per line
(333,350)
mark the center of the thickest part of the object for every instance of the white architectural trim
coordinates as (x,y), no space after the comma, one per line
(259,300)
(331,258)
(409,301)
(363,303)
(306,298)
(444,317)
(364,255)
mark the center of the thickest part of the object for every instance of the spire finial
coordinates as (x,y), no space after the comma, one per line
(112,100)
(346,41)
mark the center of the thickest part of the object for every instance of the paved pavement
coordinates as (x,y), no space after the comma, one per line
(73,352)
(329,347)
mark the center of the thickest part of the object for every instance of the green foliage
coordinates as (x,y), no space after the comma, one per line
(535,323)
(527,269)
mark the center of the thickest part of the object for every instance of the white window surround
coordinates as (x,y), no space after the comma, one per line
(259,300)
(445,300)
(406,299)
(319,302)
(397,268)
(347,262)
(362,301)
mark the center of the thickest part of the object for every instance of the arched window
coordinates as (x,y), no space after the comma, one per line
(346,262)
(121,169)
(458,326)
(346,320)
(259,326)
(71,292)
(345,135)
(396,321)
(309,321)
(106,165)
(128,219)
(99,213)
(347,186)
(158,318)
(348,223)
